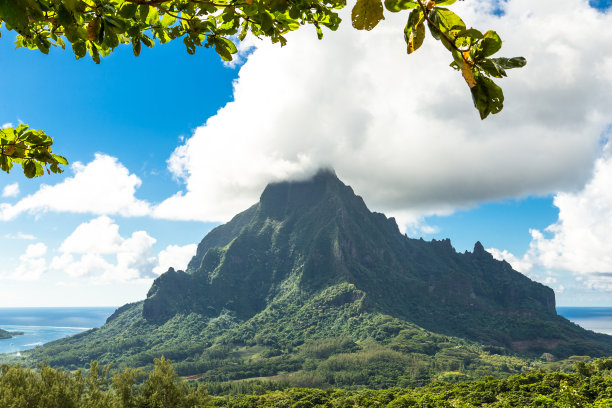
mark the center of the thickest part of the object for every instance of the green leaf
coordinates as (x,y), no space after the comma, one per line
(14,14)
(487,96)
(509,63)
(42,155)
(128,10)
(489,45)
(244,31)
(93,51)
(153,16)
(467,38)
(398,5)
(40,171)
(8,135)
(55,168)
(64,16)
(267,21)
(60,159)
(147,41)
(143,12)
(319,32)
(37,138)
(224,47)
(415,18)
(449,22)
(189,45)
(433,16)
(21,129)
(444,23)
(457,59)
(101,32)
(231,47)
(20,151)
(168,20)
(294,12)
(6,163)
(79,48)
(414,32)
(496,67)
(367,14)
(29,168)
(136,46)
(491,68)
(445,2)
(71,5)
(112,40)
(114,23)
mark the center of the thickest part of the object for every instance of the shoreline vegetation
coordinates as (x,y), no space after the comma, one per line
(9,334)
(583,385)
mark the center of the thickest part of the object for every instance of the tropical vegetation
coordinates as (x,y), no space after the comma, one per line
(584,385)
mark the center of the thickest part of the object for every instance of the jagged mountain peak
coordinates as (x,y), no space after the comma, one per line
(480,251)
(307,237)
(281,199)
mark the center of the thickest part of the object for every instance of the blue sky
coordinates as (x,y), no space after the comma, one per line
(165,146)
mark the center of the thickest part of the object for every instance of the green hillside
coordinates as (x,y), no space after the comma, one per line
(310,287)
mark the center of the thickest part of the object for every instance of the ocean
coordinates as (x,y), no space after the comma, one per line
(42,325)
(598,319)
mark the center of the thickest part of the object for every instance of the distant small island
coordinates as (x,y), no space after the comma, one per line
(9,335)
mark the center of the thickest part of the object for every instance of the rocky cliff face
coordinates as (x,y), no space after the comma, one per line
(310,235)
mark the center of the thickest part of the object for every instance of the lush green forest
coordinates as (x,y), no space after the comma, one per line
(584,385)
(385,352)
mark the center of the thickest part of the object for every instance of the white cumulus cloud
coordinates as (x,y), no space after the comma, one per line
(100,235)
(579,241)
(103,186)
(11,190)
(523,265)
(401,129)
(175,256)
(32,264)
(96,250)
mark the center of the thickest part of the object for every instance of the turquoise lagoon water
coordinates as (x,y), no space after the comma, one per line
(42,325)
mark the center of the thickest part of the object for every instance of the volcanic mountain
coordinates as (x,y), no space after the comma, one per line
(308,275)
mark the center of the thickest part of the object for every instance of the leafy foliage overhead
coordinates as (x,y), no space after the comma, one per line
(97,27)
(30,148)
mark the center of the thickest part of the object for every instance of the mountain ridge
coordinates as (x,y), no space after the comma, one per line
(335,249)
(310,267)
